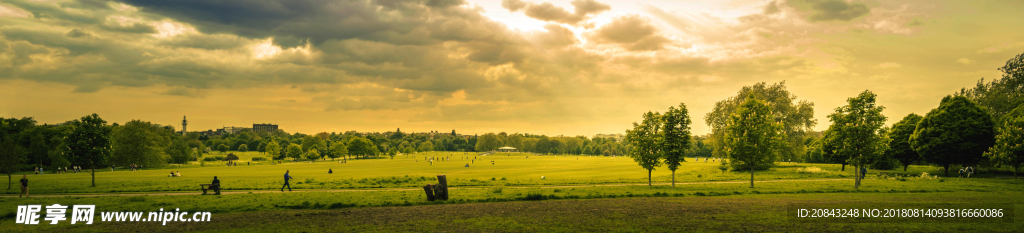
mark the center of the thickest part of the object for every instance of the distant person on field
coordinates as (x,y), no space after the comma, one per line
(24,186)
(171,175)
(178,174)
(863,172)
(37,170)
(961,172)
(286,178)
(329,171)
(970,170)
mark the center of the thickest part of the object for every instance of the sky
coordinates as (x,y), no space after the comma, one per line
(553,67)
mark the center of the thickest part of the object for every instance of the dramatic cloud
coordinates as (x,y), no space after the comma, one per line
(632,32)
(551,13)
(477,66)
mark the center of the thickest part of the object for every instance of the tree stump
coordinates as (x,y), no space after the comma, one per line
(429,189)
(442,189)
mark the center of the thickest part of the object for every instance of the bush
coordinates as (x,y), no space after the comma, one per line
(213,158)
(259,159)
(885,164)
(231,156)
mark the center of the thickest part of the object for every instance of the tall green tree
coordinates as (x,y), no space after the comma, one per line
(752,137)
(957,132)
(89,143)
(10,157)
(338,149)
(136,143)
(855,130)
(38,149)
(313,154)
(358,146)
(796,117)
(899,144)
(273,149)
(178,151)
(243,148)
(646,140)
(222,148)
(1009,146)
(676,137)
(427,146)
(295,151)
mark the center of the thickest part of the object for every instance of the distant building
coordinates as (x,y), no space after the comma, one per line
(264,127)
(184,123)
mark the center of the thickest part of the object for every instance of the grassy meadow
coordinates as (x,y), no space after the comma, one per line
(389,188)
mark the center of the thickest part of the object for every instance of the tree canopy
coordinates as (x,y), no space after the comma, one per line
(676,138)
(89,143)
(752,138)
(899,144)
(646,140)
(1009,146)
(957,132)
(854,133)
(796,118)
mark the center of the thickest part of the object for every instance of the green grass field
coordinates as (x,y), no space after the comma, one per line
(390,188)
(509,169)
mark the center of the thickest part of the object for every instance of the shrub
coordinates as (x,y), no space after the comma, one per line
(213,158)
(231,156)
(259,159)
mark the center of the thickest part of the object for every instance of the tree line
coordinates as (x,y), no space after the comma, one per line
(763,124)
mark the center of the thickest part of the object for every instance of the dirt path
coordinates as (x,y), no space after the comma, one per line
(407,189)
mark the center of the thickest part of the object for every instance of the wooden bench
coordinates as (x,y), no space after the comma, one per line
(205,187)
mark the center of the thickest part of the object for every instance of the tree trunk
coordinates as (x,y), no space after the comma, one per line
(93,176)
(673,178)
(9,179)
(947,169)
(843,169)
(1014,173)
(751,177)
(649,178)
(905,167)
(856,178)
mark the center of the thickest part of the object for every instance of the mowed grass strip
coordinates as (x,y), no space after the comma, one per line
(734,213)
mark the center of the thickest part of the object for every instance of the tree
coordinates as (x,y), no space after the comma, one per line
(222,148)
(360,146)
(179,150)
(752,137)
(309,142)
(855,132)
(38,149)
(273,149)
(262,147)
(899,146)
(796,118)
(89,143)
(1009,146)
(676,137)
(10,157)
(313,154)
(338,149)
(427,146)
(957,132)
(243,148)
(646,140)
(295,151)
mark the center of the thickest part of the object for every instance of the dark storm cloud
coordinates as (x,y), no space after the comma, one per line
(551,13)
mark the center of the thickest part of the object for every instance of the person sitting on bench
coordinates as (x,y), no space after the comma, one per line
(215,185)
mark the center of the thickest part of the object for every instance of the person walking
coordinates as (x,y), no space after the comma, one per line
(24,186)
(286,178)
